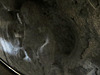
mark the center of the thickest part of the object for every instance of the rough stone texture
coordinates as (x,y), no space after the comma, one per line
(61,37)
